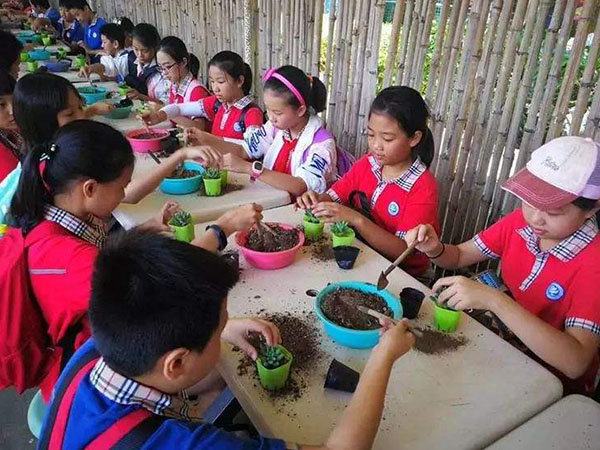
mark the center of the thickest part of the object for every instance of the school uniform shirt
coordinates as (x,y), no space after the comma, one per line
(397,205)
(188,90)
(105,396)
(116,66)
(313,157)
(91,34)
(61,262)
(72,32)
(158,86)
(226,119)
(10,142)
(559,285)
(53,15)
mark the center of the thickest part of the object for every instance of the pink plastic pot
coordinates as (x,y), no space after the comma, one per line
(146,145)
(269,261)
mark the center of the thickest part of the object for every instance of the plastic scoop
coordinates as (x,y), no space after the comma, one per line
(382,282)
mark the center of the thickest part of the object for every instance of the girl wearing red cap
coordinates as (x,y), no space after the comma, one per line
(549,250)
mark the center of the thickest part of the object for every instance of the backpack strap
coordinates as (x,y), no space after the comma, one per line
(217,106)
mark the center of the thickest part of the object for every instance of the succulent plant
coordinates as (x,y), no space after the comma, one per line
(436,296)
(341,228)
(211,174)
(310,217)
(181,219)
(271,357)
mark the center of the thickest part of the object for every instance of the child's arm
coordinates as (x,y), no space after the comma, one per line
(570,351)
(359,424)
(86,71)
(98,109)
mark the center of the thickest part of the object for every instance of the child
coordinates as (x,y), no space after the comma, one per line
(549,250)
(68,188)
(391,187)
(143,74)
(127,27)
(43,15)
(114,65)
(68,27)
(231,110)
(90,22)
(178,309)
(180,68)
(10,138)
(10,51)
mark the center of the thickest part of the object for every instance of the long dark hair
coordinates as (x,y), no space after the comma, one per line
(80,149)
(233,65)
(176,49)
(37,100)
(147,34)
(10,49)
(407,107)
(7,83)
(312,90)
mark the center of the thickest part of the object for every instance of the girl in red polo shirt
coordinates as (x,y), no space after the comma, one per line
(390,190)
(550,253)
(230,111)
(10,138)
(180,68)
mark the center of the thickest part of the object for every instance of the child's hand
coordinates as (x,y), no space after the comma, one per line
(429,242)
(236,333)
(308,200)
(236,164)
(463,293)
(395,341)
(195,136)
(151,117)
(136,95)
(100,108)
(331,212)
(240,219)
(167,211)
(85,72)
(205,155)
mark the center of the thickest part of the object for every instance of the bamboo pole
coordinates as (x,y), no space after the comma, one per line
(318,33)
(408,14)
(393,47)
(437,52)
(592,126)
(330,39)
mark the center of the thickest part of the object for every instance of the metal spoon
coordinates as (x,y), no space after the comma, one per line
(382,282)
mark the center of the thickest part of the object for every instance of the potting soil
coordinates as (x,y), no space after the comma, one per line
(180,174)
(149,136)
(262,240)
(321,250)
(226,190)
(338,307)
(435,342)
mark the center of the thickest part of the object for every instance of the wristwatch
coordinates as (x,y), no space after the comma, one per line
(257,170)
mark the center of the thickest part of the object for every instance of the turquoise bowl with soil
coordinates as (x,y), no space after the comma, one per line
(184,184)
(92,94)
(349,337)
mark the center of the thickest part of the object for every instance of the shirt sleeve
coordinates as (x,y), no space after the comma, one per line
(421,207)
(258,140)
(491,241)
(318,165)
(584,311)
(254,118)
(341,189)
(110,68)
(200,108)
(198,93)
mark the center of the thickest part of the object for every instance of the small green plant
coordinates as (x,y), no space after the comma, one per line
(181,219)
(271,357)
(211,174)
(435,297)
(310,217)
(143,109)
(341,229)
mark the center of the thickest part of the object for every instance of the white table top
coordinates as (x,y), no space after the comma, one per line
(573,423)
(201,207)
(461,400)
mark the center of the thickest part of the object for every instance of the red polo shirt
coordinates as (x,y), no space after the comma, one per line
(178,96)
(8,161)
(61,267)
(396,205)
(226,122)
(560,286)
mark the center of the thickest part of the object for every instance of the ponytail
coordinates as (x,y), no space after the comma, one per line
(407,107)
(79,150)
(247,86)
(194,65)
(311,90)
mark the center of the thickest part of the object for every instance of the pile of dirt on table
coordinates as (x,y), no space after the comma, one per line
(180,173)
(435,342)
(321,250)
(262,240)
(300,335)
(339,306)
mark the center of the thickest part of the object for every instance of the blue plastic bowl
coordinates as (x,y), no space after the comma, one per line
(59,66)
(39,55)
(121,112)
(91,94)
(176,186)
(355,338)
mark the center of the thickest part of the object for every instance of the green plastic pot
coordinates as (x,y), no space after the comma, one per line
(275,379)
(25,57)
(46,40)
(80,61)
(343,240)
(61,52)
(224,174)
(183,234)
(32,66)
(124,90)
(212,187)
(313,231)
(446,319)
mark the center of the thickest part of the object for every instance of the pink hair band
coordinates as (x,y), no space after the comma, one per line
(271,73)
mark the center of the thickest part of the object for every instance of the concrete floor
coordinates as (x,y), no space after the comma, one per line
(14,432)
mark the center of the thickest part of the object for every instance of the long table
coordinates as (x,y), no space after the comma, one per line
(461,400)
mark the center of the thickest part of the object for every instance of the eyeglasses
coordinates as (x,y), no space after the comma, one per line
(163,69)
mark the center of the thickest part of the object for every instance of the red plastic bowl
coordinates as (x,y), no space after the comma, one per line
(146,145)
(272,260)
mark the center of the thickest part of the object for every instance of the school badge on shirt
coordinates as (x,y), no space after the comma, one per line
(555,292)
(393,209)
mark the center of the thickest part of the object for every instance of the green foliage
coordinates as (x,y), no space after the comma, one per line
(271,357)
(310,217)
(341,229)
(181,219)
(211,174)
(435,297)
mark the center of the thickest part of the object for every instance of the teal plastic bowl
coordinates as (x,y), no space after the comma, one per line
(355,338)
(39,55)
(92,95)
(119,113)
(176,186)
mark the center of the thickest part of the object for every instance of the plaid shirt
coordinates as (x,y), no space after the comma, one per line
(405,181)
(183,86)
(126,391)
(92,230)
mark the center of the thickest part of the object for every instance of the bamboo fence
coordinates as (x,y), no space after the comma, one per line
(501,77)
